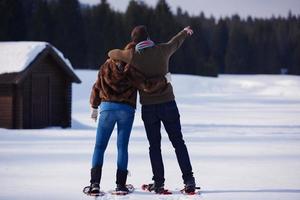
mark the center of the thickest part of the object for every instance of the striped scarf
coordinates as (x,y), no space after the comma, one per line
(143,45)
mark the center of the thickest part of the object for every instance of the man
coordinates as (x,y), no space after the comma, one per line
(153,60)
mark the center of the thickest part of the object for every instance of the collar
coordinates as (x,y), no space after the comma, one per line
(143,45)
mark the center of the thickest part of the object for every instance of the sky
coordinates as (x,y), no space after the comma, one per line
(221,8)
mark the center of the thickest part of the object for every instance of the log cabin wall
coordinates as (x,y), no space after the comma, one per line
(6,105)
(59,101)
(40,95)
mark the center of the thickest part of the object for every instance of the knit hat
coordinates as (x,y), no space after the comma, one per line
(139,33)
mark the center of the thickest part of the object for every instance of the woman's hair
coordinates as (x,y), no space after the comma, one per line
(139,34)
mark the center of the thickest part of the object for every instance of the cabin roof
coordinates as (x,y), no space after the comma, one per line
(17,57)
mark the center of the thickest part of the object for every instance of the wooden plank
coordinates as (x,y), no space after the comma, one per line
(59,101)
(40,101)
(6,113)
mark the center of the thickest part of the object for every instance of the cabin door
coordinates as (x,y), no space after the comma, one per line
(40,115)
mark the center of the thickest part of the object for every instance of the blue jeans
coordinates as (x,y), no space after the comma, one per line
(168,114)
(107,120)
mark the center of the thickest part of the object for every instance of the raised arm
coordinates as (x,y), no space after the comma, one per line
(172,45)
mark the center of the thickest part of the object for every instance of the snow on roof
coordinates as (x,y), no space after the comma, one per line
(16,56)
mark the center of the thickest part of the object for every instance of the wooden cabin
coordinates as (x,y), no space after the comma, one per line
(35,86)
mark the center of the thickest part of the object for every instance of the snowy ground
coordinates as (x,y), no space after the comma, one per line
(242,132)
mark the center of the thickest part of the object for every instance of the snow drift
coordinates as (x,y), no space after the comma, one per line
(242,132)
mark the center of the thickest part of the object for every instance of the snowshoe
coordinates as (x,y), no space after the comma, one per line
(190,190)
(123,190)
(93,190)
(157,189)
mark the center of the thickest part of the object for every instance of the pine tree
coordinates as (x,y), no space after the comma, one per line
(40,22)
(163,24)
(238,53)
(85,34)
(219,45)
(295,66)
(266,54)
(137,13)
(68,31)
(101,32)
(12,20)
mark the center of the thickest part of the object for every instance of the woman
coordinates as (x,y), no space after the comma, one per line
(116,91)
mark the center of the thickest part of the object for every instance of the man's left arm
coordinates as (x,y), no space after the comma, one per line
(141,82)
(122,55)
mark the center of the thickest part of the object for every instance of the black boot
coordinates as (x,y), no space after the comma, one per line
(156,187)
(189,182)
(96,173)
(121,178)
(190,186)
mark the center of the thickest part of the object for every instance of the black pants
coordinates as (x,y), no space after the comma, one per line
(168,114)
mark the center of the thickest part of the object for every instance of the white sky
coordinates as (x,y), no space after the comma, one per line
(257,8)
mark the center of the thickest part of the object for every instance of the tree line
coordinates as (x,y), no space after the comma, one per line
(86,33)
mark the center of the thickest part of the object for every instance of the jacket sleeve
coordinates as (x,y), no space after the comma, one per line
(95,99)
(139,80)
(172,45)
(122,55)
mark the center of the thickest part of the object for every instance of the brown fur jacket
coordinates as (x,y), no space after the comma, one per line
(120,85)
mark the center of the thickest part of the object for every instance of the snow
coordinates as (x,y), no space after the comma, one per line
(16,56)
(242,132)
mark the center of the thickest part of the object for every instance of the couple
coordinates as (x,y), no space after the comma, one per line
(141,66)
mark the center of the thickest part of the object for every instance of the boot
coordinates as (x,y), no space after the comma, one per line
(190,186)
(156,187)
(94,189)
(121,178)
(96,173)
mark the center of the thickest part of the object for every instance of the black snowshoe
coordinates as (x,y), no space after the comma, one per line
(123,189)
(157,188)
(93,190)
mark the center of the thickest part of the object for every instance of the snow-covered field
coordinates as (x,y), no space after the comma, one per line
(242,132)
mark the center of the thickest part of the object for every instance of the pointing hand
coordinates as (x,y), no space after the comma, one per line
(188,30)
